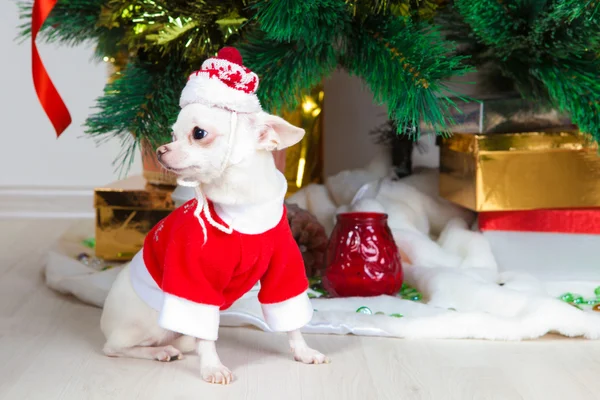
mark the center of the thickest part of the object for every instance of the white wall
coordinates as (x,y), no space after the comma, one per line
(32,156)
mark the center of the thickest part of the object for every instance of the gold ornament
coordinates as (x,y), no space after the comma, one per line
(304,161)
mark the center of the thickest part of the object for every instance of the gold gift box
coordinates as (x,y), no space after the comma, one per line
(126,211)
(520,171)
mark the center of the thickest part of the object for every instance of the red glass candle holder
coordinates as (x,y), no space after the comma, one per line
(362,257)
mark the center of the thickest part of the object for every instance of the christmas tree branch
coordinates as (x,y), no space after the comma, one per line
(292,45)
(411,82)
(73,22)
(422,10)
(141,105)
(576,90)
(312,22)
(548,49)
(493,22)
(401,58)
(195,29)
(288,70)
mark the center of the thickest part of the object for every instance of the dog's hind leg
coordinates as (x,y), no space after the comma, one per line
(131,326)
(161,353)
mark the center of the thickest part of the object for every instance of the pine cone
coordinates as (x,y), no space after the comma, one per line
(310,237)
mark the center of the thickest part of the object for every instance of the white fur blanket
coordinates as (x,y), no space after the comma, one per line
(450,264)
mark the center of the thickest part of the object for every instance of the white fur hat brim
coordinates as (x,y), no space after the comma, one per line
(212,92)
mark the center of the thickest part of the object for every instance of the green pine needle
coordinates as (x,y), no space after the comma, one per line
(313,22)
(405,65)
(71,21)
(494,22)
(161,28)
(547,49)
(287,70)
(577,91)
(141,105)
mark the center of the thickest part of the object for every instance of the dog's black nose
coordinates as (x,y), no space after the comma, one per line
(161,150)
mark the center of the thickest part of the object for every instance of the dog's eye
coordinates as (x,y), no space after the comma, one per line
(199,133)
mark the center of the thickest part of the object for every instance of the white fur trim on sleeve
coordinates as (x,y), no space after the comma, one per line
(214,93)
(189,318)
(288,315)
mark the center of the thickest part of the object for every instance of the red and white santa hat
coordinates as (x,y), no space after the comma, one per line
(223,82)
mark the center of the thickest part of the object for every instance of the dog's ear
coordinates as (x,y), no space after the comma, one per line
(276,133)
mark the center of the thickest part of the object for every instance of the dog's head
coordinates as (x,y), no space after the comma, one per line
(221,122)
(203,148)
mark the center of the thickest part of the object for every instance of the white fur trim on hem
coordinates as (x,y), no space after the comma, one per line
(214,93)
(143,283)
(288,315)
(189,318)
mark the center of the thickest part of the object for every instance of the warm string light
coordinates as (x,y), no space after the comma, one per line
(311,109)
(115,65)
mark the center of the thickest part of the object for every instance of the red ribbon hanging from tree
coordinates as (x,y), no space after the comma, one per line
(53,105)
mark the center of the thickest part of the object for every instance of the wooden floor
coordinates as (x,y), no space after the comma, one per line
(50,349)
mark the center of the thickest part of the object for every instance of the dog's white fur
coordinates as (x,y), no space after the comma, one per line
(242,174)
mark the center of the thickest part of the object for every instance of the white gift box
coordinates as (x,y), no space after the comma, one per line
(559,247)
(548,256)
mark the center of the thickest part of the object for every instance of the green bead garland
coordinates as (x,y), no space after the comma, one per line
(406,293)
(89,242)
(409,293)
(577,300)
(567,297)
(367,310)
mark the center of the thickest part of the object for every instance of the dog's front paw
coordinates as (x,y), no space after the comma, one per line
(216,373)
(307,355)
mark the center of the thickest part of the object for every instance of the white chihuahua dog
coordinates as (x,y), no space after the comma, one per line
(213,249)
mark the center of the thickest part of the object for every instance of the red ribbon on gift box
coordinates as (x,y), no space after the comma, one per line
(582,221)
(53,105)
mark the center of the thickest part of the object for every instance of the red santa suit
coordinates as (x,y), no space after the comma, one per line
(189,280)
